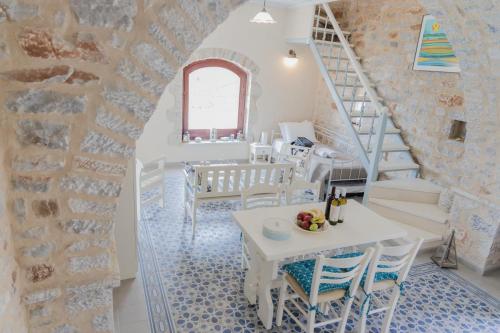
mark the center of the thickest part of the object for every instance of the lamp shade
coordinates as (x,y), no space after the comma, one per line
(263,17)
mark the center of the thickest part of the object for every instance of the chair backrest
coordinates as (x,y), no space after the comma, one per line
(261,195)
(151,175)
(302,185)
(392,259)
(347,271)
(231,180)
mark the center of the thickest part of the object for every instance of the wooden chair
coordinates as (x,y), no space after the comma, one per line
(152,176)
(318,283)
(302,186)
(388,270)
(258,195)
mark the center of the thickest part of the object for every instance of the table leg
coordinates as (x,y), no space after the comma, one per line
(268,271)
(251,277)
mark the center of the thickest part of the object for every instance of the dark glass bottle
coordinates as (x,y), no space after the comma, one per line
(329,204)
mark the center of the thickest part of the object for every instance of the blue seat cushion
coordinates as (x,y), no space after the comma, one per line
(302,272)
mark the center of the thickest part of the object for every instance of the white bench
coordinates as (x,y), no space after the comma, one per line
(222,182)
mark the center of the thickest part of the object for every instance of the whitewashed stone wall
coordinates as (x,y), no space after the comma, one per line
(423,104)
(79,81)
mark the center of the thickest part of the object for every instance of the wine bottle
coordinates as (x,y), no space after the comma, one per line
(329,204)
(334,214)
(343,203)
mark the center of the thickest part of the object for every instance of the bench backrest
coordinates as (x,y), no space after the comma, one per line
(230,180)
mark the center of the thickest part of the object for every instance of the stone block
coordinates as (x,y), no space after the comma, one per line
(65,328)
(40,272)
(45,101)
(45,163)
(19,208)
(97,143)
(45,208)
(30,184)
(141,79)
(89,297)
(43,134)
(199,18)
(130,102)
(151,57)
(78,246)
(105,168)
(87,227)
(34,233)
(80,206)
(103,13)
(103,323)
(39,311)
(89,263)
(90,186)
(42,296)
(38,251)
(117,124)
(156,32)
(182,29)
(42,44)
(14,10)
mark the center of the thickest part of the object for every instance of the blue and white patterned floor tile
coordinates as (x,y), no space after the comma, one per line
(197,286)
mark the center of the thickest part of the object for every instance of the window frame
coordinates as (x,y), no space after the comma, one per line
(241,73)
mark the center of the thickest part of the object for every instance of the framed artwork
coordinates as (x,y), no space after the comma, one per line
(434,51)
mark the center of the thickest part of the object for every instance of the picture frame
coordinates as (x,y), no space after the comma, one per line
(434,50)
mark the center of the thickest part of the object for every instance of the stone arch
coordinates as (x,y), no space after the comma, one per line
(174,89)
(82,78)
(79,83)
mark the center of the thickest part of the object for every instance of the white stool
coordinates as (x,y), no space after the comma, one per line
(260,152)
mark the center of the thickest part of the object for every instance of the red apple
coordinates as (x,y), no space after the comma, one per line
(305,225)
(300,216)
(307,218)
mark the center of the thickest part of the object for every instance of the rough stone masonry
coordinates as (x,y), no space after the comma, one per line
(79,81)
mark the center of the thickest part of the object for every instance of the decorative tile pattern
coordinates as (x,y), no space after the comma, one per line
(197,286)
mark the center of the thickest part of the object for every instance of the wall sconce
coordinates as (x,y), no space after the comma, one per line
(291,59)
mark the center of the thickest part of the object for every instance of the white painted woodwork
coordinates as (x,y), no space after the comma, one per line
(361,226)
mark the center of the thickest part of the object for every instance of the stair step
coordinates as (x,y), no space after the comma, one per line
(431,239)
(365,114)
(326,42)
(387,131)
(329,31)
(428,217)
(337,58)
(412,190)
(387,166)
(391,147)
(359,99)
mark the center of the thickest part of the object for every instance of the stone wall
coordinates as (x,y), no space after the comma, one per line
(385,35)
(10,288)
(79,81)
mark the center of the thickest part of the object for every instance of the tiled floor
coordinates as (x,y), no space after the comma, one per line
(130,303)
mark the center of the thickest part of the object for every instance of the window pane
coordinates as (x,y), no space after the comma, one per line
(214,94)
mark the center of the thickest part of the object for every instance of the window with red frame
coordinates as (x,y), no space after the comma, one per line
(214,96)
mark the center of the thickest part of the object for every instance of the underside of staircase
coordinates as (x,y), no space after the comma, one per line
(409,202)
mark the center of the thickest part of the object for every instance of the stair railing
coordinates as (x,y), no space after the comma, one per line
(370,155)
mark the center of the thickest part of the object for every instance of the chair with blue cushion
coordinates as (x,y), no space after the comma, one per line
(387,270)
(319,282)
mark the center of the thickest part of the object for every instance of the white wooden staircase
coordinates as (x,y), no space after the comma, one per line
(379,143)
(411,203)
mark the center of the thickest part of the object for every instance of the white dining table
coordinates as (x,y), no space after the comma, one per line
(361,226)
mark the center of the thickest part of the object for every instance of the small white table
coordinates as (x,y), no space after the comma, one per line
(258,149)
(361,226)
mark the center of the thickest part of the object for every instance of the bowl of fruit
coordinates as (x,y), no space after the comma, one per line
(312,220)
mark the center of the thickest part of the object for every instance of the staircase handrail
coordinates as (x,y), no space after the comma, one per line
(352,59)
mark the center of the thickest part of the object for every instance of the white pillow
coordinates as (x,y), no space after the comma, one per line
(292,130)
